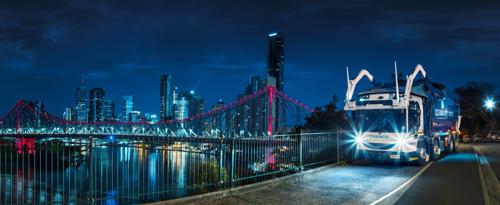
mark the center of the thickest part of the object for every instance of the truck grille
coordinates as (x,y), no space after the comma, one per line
(379,146)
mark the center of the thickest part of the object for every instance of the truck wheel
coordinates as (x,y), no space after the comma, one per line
(455,144)
(450,146)
(422,155)
(435,151)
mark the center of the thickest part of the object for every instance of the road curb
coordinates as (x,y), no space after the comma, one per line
(393,196)
(489,182)
(212,196)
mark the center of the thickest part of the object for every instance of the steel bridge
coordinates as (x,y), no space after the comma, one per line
(248,116)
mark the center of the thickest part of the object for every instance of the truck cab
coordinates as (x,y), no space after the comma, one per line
(413,123)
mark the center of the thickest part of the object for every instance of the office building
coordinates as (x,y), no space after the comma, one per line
(81,104)
(196,103)
(166,98)
(258,108)
(69,114)
(135,116)
(128,108)
(151,118)
(108,111)
(275,71)
(96,113)
(187,104)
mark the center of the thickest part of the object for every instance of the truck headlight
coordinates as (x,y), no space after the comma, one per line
(401,141)
(359,139)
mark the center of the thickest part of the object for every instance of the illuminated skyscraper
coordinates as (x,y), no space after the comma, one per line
(187,104)
(96,113)
(257,122)
(128,108)
(81,104)
(181,108)
(69,114)
(196,103)
(223,121)
(166,98)
(108,111)
(242,118)
(275,69)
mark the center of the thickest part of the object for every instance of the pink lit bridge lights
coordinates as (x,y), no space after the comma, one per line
(249,116)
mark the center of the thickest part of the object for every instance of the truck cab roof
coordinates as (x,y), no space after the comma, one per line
(422,87)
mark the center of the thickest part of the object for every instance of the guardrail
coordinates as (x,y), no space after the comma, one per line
(113,170)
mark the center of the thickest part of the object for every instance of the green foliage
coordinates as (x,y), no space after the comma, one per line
(207,176)
(476,118)
(328,117)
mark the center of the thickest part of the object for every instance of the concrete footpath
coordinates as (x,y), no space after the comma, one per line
(344,184)
(460,178)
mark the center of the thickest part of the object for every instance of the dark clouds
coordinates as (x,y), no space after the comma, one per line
(123,46)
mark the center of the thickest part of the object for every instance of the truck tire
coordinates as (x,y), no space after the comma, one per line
(455,142)
(450,146)
(435,150)
(422,155)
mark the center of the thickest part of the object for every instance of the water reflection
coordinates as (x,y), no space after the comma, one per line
(124,171)
(53,174)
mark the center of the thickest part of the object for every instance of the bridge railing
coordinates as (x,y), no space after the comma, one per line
(121,169)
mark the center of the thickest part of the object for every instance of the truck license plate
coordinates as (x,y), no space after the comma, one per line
(394,156)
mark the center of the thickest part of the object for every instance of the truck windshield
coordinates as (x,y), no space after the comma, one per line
(384,120)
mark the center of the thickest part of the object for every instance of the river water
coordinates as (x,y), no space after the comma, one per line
(128,171)
(38,173)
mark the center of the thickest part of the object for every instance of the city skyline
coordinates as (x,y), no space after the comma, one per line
(176,105)
(44,55)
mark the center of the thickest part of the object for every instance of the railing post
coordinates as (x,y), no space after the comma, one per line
(232,161)
(301,161)
(338,147)
(221,159)
(91,174)
(18,117)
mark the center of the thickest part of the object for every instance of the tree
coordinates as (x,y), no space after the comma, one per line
(208,175)
(328,117)
(476,116)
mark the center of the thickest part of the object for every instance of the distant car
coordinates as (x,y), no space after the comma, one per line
(477,138)
(467,139)
(490,137)
(495,137)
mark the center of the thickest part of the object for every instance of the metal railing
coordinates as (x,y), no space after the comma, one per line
(111,170)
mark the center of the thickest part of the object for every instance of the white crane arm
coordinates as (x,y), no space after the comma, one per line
(409,82)
(351,84)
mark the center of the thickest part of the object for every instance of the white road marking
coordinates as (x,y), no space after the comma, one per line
(406,185)
(489,181)
(484,190)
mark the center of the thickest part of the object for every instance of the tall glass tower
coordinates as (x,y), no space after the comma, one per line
(96,112)
(166,98)
(275,69)
(82,104)
(128,108)
(108,111)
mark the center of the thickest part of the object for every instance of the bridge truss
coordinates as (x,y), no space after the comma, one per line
(249,116)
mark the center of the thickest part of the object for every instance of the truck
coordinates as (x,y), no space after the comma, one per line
(414,123)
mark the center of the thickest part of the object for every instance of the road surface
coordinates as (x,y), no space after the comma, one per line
(492,153)
(453,179)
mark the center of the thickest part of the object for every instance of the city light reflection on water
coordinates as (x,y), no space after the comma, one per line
(105,175)
(132,171)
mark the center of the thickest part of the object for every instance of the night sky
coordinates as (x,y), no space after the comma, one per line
(213,46)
